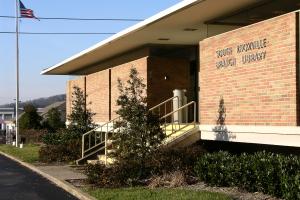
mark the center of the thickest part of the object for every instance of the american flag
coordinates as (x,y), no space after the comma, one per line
(25,12)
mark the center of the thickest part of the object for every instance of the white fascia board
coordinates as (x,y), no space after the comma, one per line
(134,28)
(268,135)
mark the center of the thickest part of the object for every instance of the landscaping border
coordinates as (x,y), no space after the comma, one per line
(61,184)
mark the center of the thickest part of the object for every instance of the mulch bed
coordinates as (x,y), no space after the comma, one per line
(233,192)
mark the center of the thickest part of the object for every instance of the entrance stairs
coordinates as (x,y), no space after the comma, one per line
(178,125)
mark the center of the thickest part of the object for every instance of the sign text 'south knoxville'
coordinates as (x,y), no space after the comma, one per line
(250,52)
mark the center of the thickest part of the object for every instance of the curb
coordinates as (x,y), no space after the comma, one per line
(61,184)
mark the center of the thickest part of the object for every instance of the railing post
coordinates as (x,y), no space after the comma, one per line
(89,141)
(195,110)
(172,122)
(105,143)
(166,128)
(165,109)
(95,133)
(82,147)
(159,111)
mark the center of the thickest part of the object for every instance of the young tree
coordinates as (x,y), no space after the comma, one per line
(81,118)
(139,131)
(65,144)
(53,120)
(30,119)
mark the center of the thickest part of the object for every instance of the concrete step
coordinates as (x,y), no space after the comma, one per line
(183,139)
(180,135)
(176,130)
(93,162)
(101,159)
(109,151)
(109,142)
(86,157)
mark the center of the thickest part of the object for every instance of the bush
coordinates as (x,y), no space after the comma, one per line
(218,169)
(61,137)
(112,176)
(52,139)
(53,121)
(66,152)
(30,119)
(62,146)
(182,159)
(94,172)
(33,136)
(269,173)
(128,172)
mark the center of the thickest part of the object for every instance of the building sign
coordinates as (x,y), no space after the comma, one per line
(246,53)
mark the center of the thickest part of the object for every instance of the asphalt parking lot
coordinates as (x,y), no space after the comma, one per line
(20,183)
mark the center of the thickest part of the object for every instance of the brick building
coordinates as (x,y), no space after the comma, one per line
(237,56)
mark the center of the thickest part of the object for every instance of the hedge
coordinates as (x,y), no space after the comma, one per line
(32,136)
(274,174)
(63,146)
(66,152)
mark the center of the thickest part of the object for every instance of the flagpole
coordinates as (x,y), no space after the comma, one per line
(17,71)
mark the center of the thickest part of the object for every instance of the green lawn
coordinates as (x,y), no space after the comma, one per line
(29,154)
(155,194)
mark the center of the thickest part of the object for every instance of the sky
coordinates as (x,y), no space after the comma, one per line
(38,52)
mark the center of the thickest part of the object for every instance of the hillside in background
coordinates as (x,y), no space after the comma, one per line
(39,103)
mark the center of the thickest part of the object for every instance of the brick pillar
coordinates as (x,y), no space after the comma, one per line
(297,68)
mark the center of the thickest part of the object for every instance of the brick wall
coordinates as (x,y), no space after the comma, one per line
(122,72)
(80,82)
(259,92)
(177,72)
(97,90)
(152,69)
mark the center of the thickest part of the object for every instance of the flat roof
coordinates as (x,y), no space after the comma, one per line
(181,24)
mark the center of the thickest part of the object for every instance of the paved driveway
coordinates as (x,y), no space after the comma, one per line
(17,182)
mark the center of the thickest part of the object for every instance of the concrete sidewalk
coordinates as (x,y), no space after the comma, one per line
(62,172)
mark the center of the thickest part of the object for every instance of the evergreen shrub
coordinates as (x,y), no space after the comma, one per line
(138,132)
(125,174)
(270,173)
(31,136)
(168,160)
(63,152)
(64,145)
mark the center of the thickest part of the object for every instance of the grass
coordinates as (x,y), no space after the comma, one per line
(155,194)
(29,153)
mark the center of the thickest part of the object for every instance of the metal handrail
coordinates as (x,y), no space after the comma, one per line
(111,121)
(83,150)
(106,126)
(182,107)
(174,130)
(165,102)
(100,126)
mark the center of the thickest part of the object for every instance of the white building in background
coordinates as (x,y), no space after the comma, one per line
(7,117)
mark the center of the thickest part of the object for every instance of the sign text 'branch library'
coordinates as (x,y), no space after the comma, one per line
(250,52)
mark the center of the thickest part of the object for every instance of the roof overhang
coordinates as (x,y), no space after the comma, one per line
(171,26)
